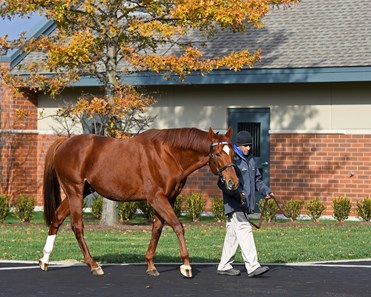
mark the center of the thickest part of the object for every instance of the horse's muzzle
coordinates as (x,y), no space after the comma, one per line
(230,185)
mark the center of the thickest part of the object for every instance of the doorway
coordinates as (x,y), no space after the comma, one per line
(257,122)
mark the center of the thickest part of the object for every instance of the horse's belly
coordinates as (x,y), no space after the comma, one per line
(121,188)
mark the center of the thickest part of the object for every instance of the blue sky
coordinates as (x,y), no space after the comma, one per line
(16,26)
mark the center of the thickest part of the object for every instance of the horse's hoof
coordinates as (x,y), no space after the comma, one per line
(43,266)
(97,271)
(153,272)
(186,270)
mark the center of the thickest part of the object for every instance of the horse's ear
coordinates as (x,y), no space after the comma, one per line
(229,133)
(211,134)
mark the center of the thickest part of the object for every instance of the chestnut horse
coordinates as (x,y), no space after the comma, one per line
(153,165)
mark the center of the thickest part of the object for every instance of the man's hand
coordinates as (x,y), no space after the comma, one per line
(269,196)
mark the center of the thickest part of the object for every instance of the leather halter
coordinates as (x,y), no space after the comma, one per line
(212,157)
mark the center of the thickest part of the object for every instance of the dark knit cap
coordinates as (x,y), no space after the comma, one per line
(243,138)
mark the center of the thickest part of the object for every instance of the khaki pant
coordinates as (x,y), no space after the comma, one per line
(238,233)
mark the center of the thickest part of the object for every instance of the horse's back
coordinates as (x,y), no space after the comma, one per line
(73,154)
(111,166)
(75,144)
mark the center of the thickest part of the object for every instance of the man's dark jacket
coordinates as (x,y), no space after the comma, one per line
(250,180)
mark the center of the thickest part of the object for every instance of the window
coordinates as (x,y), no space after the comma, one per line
(254,129)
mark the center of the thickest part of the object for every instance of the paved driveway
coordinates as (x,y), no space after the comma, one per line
(340,279)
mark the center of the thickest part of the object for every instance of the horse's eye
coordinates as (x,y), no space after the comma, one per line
(217,154)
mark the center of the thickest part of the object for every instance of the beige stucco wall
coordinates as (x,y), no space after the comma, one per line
(336,107)
(48,107)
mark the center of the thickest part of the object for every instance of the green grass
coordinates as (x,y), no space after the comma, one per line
(279,243)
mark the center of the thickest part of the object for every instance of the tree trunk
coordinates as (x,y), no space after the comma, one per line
(109,210)
(109,213)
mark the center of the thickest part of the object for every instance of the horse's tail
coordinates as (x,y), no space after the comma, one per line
(51,187)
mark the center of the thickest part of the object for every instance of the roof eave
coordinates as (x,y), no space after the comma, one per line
(247,76)
(44,27)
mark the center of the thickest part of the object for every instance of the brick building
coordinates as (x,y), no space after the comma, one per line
(307,103)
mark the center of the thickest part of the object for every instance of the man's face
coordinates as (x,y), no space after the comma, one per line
(245,149)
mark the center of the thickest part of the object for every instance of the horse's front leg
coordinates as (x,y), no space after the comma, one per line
(162,206)
(60,215)
(157,226)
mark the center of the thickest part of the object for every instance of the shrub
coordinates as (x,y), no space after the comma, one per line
(4,207)
(270,210)
(314,208)
(364,209)
(97,206)
(195,204)
(85,202)
(126,211)
(23,207)
(147,209)
(217,207)
(178,205)
(292,208)
(342,207)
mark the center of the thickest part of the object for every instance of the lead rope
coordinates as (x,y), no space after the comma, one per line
(257,226)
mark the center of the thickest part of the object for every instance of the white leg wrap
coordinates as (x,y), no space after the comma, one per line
(48,248)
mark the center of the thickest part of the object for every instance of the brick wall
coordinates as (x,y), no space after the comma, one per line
(18,143)
(18,164)
(313,166)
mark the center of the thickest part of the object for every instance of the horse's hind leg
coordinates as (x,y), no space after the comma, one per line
(77,226)
(60,215)
(157,226)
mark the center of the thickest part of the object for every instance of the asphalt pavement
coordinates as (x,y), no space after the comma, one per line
(340,279)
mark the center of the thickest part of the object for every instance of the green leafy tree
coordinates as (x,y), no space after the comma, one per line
(106,39)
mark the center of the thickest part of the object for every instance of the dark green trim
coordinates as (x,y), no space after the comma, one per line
(251,76)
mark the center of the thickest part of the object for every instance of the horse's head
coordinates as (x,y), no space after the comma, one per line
(221,158)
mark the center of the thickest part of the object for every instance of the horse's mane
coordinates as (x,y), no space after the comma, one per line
(183,138)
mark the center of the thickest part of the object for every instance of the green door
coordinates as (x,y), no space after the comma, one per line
(257,122)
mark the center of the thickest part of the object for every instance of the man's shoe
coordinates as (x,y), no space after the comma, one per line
(259,271)
(230,272)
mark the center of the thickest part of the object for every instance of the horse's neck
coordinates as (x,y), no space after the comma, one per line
(197,161)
